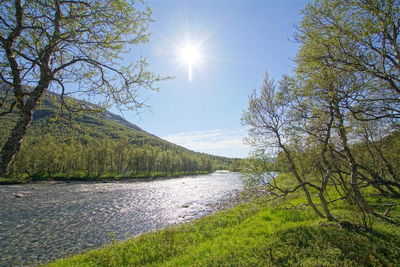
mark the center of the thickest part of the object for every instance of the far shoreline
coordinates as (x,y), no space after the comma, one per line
(108,179)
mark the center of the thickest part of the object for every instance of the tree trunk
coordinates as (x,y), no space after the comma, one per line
(297,176)
(328,170)
(305,190)
(324,204)
(13,143)
(360,200)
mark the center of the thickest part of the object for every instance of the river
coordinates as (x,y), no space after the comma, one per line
(41,222)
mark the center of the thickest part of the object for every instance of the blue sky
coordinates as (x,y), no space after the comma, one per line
(239,40)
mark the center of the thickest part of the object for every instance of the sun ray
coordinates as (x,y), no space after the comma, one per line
(190,72)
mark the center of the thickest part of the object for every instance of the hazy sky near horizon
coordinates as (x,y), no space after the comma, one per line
(236,41)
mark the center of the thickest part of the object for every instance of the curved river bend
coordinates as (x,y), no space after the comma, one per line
(51,221)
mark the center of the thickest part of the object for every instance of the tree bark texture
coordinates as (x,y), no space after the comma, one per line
(13,143)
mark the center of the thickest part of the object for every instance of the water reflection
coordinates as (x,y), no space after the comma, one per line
(50,221)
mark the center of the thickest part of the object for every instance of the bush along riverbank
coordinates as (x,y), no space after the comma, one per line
(103,178)
(282,232)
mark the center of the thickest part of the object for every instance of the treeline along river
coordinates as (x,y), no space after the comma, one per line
(42,221)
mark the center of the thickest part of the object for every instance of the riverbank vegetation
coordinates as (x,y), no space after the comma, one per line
(281,232)
(335,121)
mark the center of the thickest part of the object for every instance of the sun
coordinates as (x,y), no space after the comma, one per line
(188,52)
(190,56)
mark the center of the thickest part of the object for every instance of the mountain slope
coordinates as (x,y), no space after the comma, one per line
(97,144)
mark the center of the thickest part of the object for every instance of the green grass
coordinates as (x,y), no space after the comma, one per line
(269,234)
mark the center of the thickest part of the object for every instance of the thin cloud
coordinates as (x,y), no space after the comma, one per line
(221,142)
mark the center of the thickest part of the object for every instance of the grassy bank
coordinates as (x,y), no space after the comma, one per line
(103,178)
(269,234)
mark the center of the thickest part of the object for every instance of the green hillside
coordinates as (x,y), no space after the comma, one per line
(95,144)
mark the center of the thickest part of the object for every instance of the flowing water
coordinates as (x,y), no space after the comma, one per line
(41,222)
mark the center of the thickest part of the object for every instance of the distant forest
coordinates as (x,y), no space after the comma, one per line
(99,145)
